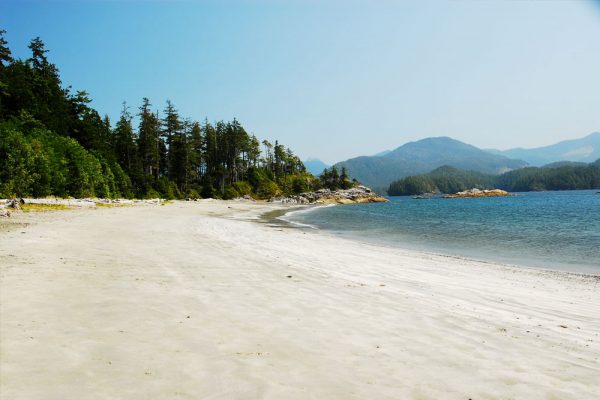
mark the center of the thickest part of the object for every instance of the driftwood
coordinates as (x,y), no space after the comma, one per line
(64,202)
(15,204)
(4,213)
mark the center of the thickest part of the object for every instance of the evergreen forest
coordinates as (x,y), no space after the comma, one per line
(53,142)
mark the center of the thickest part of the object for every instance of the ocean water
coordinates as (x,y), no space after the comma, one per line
(554,230)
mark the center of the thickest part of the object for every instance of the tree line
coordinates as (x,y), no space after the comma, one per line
(52,142)
(334,180)
(451,180)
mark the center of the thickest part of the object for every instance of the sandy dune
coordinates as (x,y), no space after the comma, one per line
(194,301)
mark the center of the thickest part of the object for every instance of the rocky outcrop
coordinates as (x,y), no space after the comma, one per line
(478,193)
(359,194)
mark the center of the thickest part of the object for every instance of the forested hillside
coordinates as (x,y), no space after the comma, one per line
(451,180)
(52,142)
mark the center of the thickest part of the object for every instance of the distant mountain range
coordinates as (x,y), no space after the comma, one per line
(382,153)
(423,156)
(315,166)
(586,149)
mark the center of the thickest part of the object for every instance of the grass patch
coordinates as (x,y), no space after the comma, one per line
(111,205)
(44,207)
(164,203)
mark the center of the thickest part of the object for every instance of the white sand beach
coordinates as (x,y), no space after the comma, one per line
(198,301)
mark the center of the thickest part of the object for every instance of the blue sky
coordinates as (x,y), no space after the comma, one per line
(335,79)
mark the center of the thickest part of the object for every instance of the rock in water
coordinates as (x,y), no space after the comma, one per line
(478,193)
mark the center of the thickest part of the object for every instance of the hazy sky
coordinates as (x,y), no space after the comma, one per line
(335,79)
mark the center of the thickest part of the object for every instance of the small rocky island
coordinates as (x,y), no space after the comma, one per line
(478,193)
(358,194)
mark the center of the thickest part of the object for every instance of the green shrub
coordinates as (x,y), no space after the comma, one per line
(152,194)
(230,193)
(243,188)
(299,185)
(122,181)
(192,194)
(267,189)
(168,189)
(16,163)
(257,176)
(39,162)
(209,192)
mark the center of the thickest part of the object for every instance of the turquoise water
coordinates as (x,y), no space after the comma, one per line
(556,230)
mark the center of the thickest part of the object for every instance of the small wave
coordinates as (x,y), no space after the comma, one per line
(288,216)
(300,224)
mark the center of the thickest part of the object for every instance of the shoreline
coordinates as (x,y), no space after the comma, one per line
(197,300)
(431,252)
(272,216)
